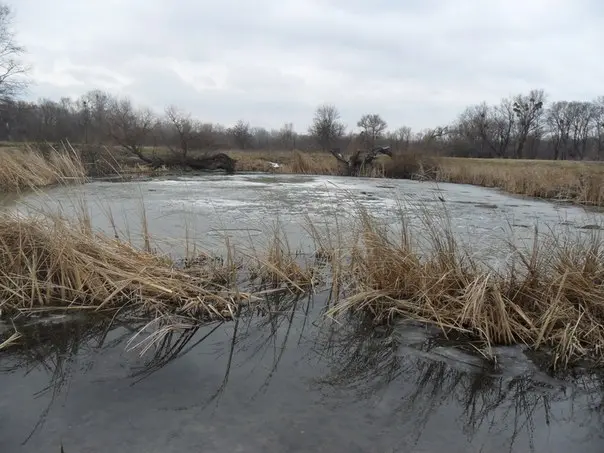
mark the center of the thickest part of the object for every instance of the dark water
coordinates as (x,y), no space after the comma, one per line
(285,380)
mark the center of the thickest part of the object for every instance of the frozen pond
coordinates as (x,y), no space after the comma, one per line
(289,381)
(203,209)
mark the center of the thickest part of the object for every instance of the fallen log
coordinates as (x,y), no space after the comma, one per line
(219,161)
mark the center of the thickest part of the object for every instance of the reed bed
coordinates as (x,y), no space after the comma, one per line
(47,264)
(23,169)
(50,264)
(578,182)
(549,296)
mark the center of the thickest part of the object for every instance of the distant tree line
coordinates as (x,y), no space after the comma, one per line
(521,126)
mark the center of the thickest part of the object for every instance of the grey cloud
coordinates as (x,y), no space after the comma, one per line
(417,62)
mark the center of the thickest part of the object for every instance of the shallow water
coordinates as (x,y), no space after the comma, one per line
(286,382)
(205,209)
(289,382)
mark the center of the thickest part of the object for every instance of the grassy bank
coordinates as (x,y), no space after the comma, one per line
(579,182)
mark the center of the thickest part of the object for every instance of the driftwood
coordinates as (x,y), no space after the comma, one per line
(359,160)
(218,161)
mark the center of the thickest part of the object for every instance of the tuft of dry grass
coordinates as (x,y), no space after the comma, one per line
(579,182)
(46,264)
(550,295)
(23,169)
(50,264)
(318,164)
(278,266)
(410,165)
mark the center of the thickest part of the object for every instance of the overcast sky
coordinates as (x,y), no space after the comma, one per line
(417,63)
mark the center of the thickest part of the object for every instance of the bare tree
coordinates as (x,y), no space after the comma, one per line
(287,135)
(571,125)
(400,138)
(12,69)
(581,117)
(529,111)
(559,128)
(326,127)
(373,127)
(599,127)
(186,130)
(360,161)
(129,127)
(96,103)
(241,134)
(261,137)
(488,128)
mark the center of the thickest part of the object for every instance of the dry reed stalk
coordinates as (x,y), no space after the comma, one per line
(279,267)
(23,169)
(572,181)
(551,295)
(305,163)
(47,264)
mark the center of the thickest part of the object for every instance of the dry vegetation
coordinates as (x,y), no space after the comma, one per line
(23,169)
(550,295)
(580,182)
(48,264)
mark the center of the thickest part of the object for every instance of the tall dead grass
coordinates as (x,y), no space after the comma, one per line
(22,169)
(549,295)
(51,264)
(46,264)
(578,182)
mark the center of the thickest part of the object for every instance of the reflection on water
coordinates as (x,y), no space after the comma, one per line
(283,379)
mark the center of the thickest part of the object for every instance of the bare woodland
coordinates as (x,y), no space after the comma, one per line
(521,126)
